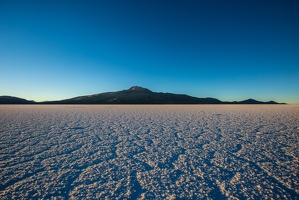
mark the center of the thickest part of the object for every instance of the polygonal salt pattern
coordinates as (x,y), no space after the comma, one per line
(149,152)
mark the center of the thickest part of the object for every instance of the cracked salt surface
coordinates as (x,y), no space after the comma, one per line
(149,152)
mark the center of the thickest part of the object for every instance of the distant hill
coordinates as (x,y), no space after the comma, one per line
(133,95)
(253,101)
(14,100)
(140,95)
(137,95)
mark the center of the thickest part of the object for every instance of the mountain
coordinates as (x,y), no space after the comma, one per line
(137,95)
(140,95)
(133,95)
(14,100)
(253,101)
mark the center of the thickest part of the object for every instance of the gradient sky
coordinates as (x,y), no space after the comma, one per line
(230,50)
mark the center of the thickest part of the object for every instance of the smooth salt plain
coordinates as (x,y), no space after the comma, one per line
(149,152)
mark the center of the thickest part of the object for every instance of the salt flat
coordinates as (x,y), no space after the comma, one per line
(149,152)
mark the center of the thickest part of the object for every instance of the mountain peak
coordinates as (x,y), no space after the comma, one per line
(253,101)
(138,89)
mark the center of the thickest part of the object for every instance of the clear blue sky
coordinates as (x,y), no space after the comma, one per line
(230,50)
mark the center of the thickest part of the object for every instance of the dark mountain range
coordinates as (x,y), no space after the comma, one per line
(253,101)
(14,100)
(139,95)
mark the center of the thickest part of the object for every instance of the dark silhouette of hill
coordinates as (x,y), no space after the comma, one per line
(133,95)
(140,95)
(253,101)
(137,95)
(14,100)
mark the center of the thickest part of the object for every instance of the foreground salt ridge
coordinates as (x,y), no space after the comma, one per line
(131,152)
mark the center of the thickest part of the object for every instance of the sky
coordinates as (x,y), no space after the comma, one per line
(230,50)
